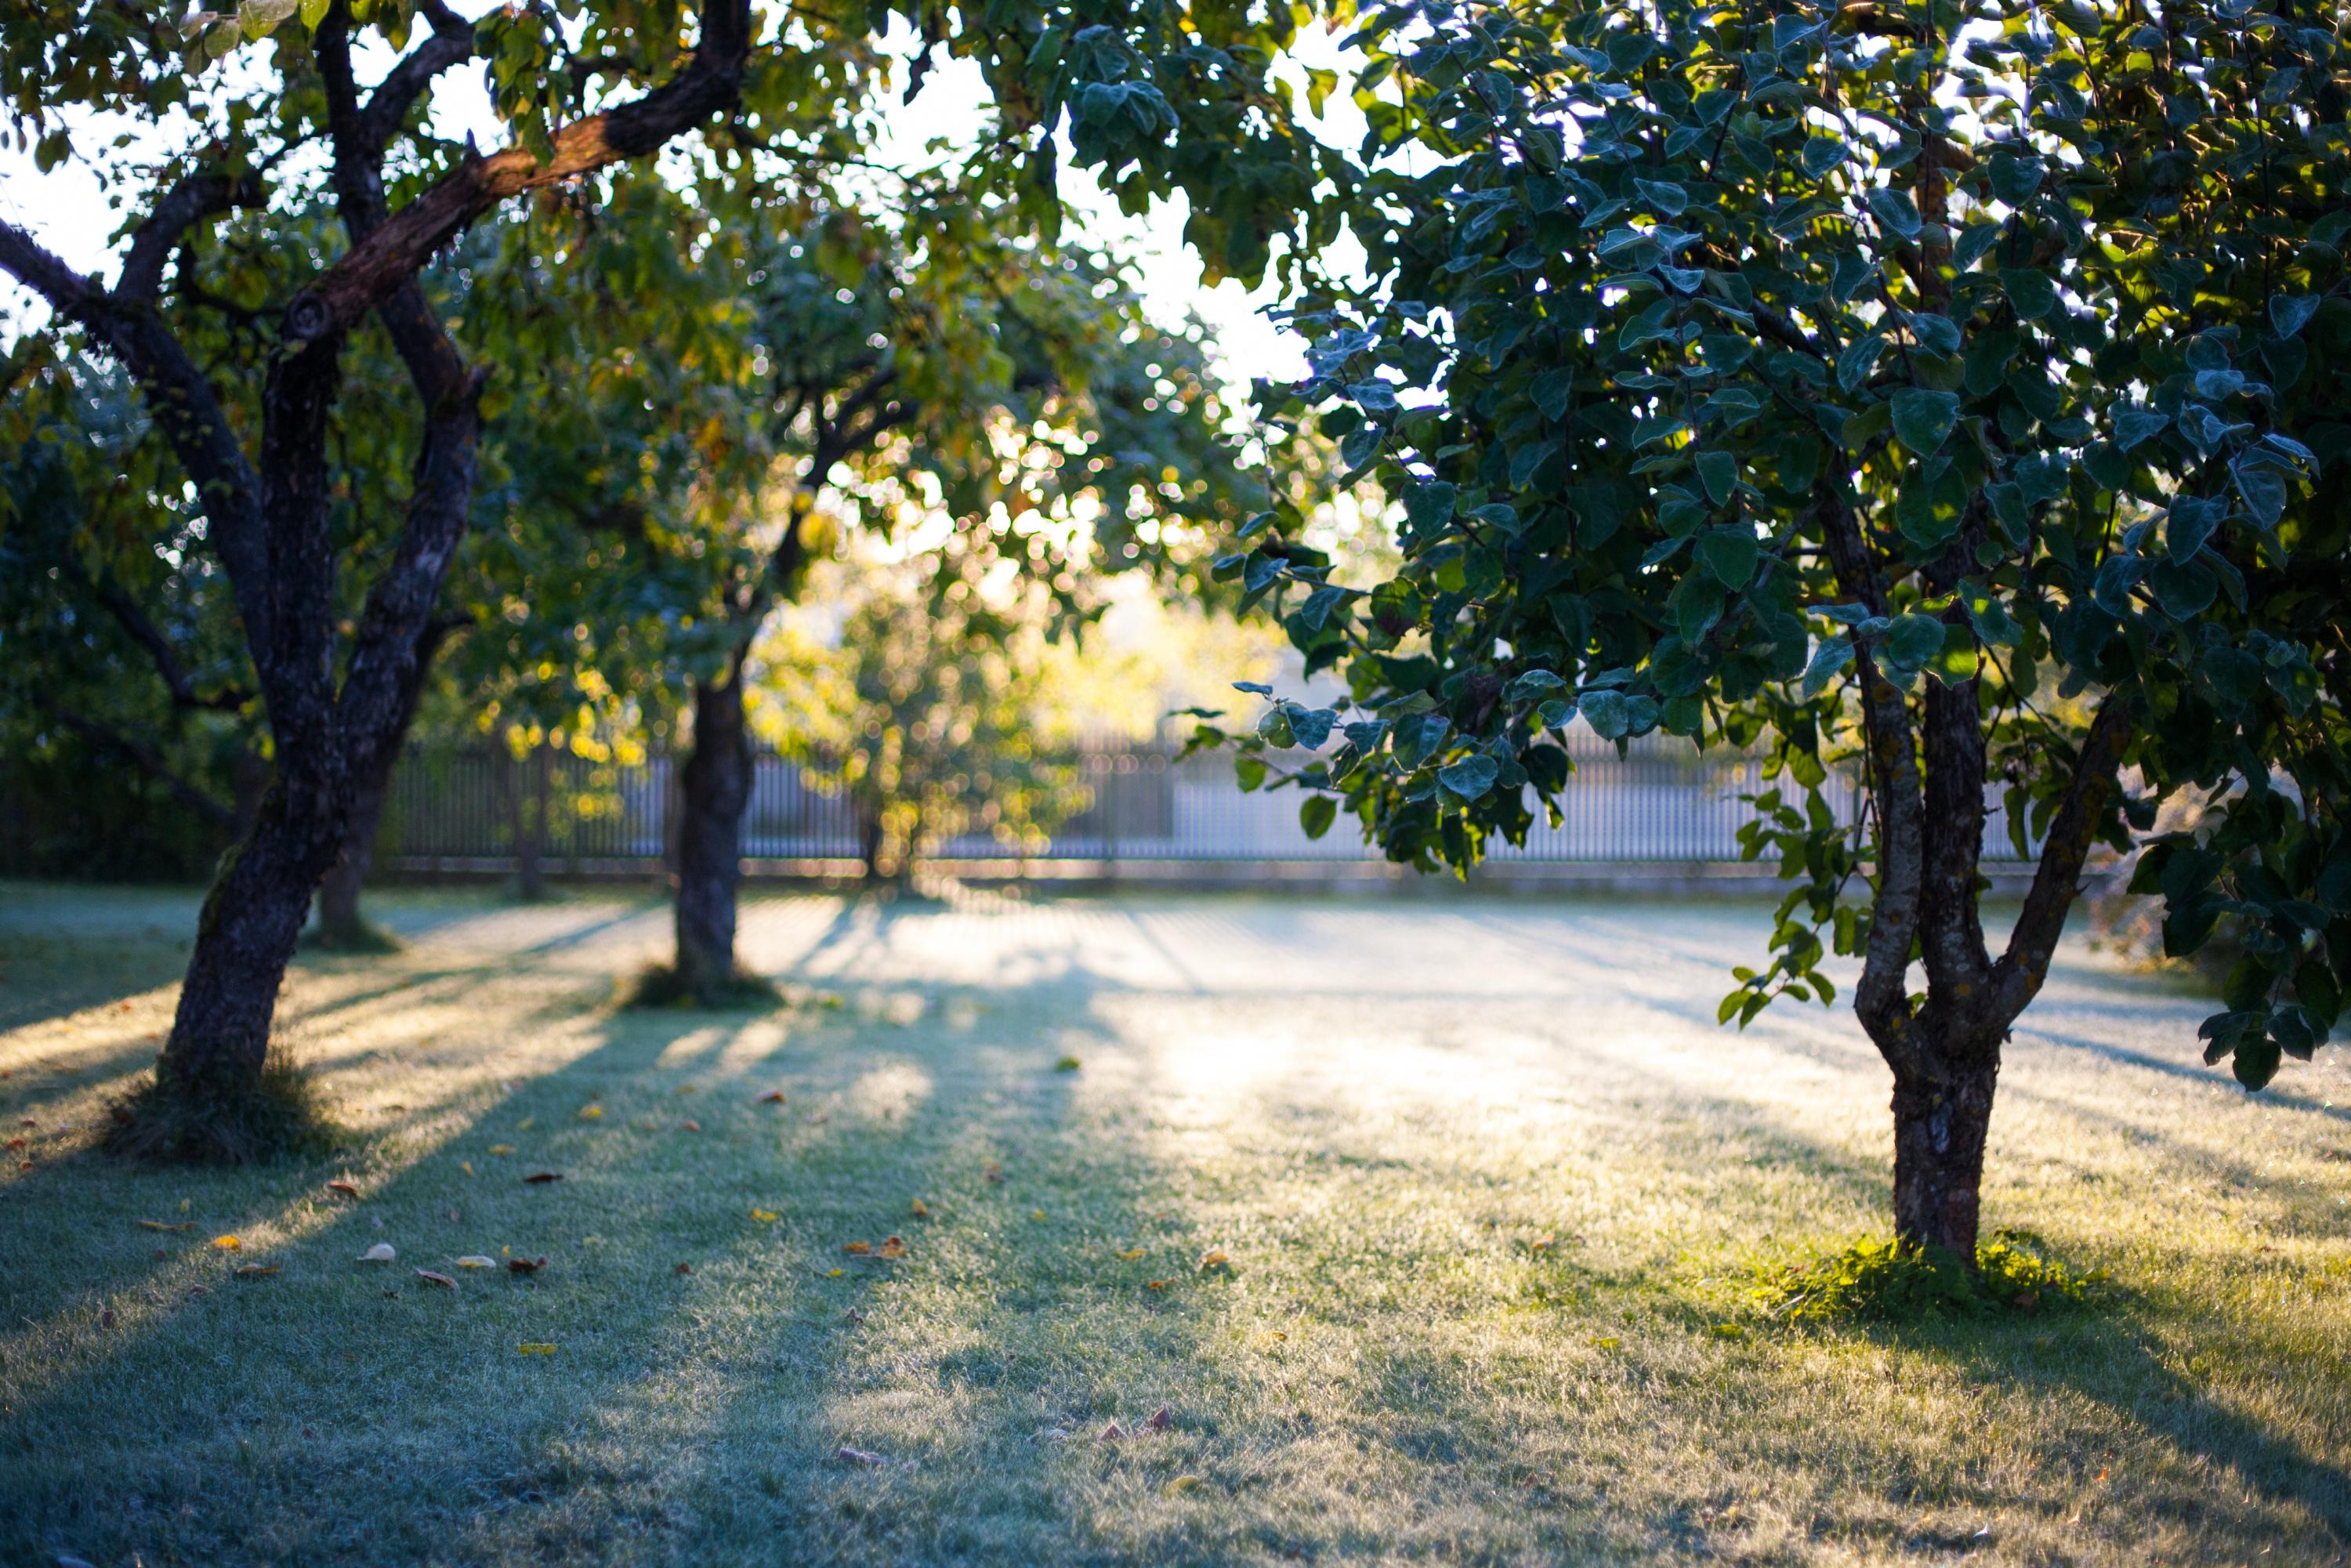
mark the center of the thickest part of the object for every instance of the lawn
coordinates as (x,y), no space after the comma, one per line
(1489,1187)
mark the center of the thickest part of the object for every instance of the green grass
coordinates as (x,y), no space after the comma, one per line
(1493,1191)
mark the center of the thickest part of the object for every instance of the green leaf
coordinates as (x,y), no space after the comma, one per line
(1719,472)
(1894,213)
(2133,426)
(1316,813)
(2030,291)
(1910,641)
(1607,713)
(1730,554)
(1924,420)
(1469,778)
(1831,657)
(2290,313)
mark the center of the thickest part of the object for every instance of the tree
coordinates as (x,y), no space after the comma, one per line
(961,387)
(336,702)
(1937,391)
(933,711)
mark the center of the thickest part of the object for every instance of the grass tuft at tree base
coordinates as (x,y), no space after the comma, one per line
(285,1114)
(662,986)
(1900,1283)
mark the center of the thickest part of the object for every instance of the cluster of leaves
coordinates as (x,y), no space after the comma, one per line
(1730,359)
(1899,1282)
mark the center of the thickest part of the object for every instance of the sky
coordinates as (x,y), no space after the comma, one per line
(66,208)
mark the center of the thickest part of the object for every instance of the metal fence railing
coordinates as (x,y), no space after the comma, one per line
(1660,802)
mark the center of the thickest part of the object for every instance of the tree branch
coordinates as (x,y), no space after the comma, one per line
(2018,975)
(147,759)
(185,204)
(143,631)
(394,251)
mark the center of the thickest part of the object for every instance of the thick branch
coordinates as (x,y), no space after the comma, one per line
(398,249)
(143,631)
(2072,832)
(187,203)
(148,760)
(1952,930)
(1882,1000)
(184,405)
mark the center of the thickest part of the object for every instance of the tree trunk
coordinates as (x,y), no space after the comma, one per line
(530,829)
(1939,1126)
(341,923)
(868,845)
(717,791)
(245,938)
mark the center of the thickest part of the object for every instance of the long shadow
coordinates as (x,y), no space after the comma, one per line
(2186,1073)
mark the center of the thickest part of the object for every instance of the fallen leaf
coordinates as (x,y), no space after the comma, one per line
(105,1317)
(540,1178)
(1607,1342)
(1068,1064)
(590,1112)
(1111,1434)
(525,1265)
(501,1150)
(765,1216)
(921,1211)
(348,1189)
(685,1268)
(1132,1253)
(857,1248)
(1159,1284)
(523,1126)
(429,1278)
(691,1126)
(772,1097)
(834,1273)
(475,1260)
(184,1203)
(17,1142)
(453,1216)
(853,1315)
(227,1243)
(859,1456)
(534,1350)
(196,1290)
(895,1247)
(159,1225)
(1181,1484)
(466,1166)
(1036,1214)
(1215,1259)
(252,1270)
(380,1252)
(1730,1331)
(1161,1420)
(1543,1242)
(686,1087)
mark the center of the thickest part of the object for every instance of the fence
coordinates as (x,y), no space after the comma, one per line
(1143,812)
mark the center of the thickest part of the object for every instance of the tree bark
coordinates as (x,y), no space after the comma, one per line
(717,792)
(245,938)
(1940,1120)
(530,829)
(341,923)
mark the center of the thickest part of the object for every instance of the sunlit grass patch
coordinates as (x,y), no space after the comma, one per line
(1892,1281)
(1418,1275)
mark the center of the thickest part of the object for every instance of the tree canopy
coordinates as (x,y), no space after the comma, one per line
(1950,392)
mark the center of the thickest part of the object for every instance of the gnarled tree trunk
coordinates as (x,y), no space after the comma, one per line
(715,790)
(1940,1122)
(252,918)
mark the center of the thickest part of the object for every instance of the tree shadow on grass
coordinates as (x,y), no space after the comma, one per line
(758,1312)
